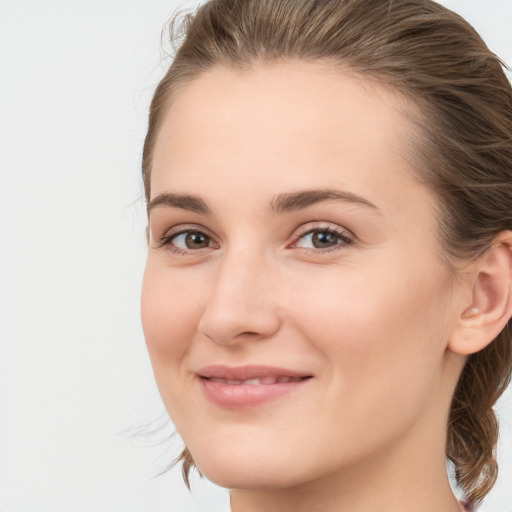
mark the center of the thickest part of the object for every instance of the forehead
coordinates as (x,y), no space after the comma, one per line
(300,121)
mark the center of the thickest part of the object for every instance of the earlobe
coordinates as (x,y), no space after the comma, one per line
(490,307)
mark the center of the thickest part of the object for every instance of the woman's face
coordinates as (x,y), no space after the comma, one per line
(295,306)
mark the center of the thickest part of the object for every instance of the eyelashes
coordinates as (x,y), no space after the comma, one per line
(192,240)
(185,240)
(323,239)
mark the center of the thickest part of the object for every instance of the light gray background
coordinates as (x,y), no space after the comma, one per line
(76,79)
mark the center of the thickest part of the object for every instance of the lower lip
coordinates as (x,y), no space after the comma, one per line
(243,396)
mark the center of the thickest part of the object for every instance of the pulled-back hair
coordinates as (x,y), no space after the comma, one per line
(463,115)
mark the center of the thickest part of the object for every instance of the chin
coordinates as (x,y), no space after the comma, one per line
(254,471)
(251,478)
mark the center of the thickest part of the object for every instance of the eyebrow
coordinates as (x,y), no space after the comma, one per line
(280,204)
(183,201)
(303,199)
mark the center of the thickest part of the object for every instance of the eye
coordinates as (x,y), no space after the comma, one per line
(186,241)
(323,239)
(190,240)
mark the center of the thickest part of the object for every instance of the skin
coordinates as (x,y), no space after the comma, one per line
(371,319)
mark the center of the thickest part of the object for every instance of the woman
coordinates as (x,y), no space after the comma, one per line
(327,294)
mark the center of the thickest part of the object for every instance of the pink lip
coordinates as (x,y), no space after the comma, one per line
(236,395)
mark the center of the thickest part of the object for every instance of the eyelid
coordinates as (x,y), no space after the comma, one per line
(318,226)
(347,238)
(170,234)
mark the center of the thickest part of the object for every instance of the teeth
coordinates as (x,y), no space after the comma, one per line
(252,382)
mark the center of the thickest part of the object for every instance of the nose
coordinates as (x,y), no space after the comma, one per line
(242,304)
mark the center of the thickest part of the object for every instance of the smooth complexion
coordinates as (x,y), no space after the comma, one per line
(286,230)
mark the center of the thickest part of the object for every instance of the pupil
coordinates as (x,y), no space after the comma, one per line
(324,239)
(196,241)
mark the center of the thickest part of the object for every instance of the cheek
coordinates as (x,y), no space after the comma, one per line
(378,330)
(169,317)
(381,343)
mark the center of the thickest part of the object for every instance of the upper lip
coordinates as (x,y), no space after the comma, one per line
(247,372)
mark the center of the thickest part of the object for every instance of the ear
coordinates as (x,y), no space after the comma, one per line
(489,308)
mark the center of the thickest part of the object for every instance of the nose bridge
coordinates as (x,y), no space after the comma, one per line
(241,300)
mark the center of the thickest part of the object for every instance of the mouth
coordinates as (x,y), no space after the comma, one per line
(263,381)
(248,386)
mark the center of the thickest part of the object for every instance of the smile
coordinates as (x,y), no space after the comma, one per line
(248,386)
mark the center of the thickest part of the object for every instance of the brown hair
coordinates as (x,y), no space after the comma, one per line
(438,62)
